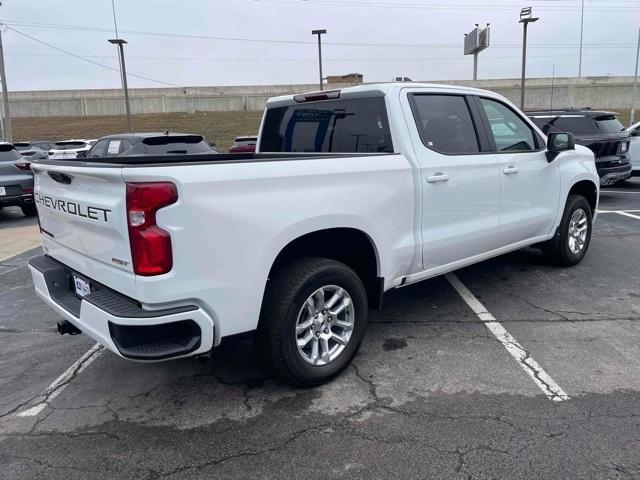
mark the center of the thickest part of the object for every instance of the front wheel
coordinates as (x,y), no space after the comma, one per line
(569,246)
(313,320)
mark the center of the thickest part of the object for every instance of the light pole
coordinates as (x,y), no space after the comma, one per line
(635,84)
(581,28)
(123,71)
(319,33)
(6,124)
(526,17)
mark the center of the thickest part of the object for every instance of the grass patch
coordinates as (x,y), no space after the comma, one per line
(218,127)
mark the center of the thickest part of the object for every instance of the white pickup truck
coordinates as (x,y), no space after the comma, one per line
(352,193)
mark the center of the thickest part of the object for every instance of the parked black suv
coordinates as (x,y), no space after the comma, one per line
(600,131)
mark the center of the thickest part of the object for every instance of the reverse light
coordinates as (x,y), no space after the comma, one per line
(150,245)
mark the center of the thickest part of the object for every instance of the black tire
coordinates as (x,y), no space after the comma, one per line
(285,295)
(29,210)
(557,249)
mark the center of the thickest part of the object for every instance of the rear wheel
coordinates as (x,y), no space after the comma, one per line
(313,320)
(29,210)
(571,241)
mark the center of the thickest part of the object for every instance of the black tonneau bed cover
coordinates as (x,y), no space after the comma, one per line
(196,159)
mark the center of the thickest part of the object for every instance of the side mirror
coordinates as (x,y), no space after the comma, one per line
(559,142)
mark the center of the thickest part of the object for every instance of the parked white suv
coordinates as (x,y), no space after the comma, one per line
(634,148)
(69,149)
(354,192)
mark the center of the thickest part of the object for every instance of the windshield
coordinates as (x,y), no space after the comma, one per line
(609,124)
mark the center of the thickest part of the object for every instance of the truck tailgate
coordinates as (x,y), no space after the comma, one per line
(82,212)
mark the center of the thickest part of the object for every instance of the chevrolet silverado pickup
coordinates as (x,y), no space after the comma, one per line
(351,193)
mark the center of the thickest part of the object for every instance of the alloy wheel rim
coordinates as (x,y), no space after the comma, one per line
(325,325)
(578,227)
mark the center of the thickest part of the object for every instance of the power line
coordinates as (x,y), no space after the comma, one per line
(302,42)
(293,60)
(89,60)
(448,6)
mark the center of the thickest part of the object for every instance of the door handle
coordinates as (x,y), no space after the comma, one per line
(438,177)
(510,170)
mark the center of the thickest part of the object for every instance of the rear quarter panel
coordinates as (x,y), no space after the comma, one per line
(232,220)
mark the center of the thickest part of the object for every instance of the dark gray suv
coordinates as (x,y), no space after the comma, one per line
(16,180)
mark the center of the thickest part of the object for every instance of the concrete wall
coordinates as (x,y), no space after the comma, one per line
(600,92)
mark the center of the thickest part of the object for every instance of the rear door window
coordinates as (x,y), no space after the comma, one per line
(444,123)
(341,126)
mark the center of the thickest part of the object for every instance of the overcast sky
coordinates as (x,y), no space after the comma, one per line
(421,39)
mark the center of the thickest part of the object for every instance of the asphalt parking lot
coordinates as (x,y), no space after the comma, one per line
(550,389)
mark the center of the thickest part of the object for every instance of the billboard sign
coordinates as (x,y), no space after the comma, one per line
(476,40)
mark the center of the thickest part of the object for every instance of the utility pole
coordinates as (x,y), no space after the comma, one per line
(526,17)
(581,29)
(5,96)
(123,68)
(123,71)
(319,33)
(635,84)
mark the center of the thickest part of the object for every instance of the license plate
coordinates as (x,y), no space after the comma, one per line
(83,288)
(3,192)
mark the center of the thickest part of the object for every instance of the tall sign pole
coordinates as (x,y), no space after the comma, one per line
(526,17)
(5,96)
(319,33)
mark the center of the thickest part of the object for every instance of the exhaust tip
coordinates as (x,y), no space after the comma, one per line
(68,328)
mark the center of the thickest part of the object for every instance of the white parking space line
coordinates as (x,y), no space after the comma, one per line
(627,214)
(617,211)
(541,378)
(618,191)
(60,383)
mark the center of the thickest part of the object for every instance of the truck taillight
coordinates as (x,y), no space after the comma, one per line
(150,245)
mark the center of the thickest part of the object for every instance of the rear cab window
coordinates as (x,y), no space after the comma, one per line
(342,126)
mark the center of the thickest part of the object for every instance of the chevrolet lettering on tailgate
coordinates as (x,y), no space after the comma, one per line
(72,208)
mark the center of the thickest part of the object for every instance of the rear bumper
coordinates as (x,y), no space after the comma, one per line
(17,200)
(612,176)
(119,323)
